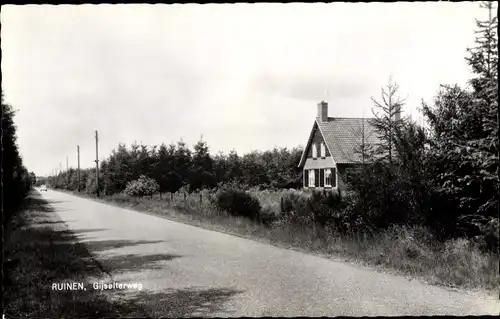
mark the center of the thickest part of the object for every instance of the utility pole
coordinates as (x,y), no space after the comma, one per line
(97,160)
(67,171)
(78,172)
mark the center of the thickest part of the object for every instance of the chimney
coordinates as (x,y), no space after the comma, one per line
(322,111)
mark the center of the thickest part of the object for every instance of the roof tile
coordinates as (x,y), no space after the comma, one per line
(343,137)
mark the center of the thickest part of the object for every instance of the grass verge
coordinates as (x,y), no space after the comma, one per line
(405,251)
(39,251)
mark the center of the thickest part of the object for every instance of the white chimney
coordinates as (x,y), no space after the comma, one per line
(322,111)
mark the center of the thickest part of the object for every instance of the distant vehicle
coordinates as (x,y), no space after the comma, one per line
(43,188)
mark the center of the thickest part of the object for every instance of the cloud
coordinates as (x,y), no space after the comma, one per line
(245,76)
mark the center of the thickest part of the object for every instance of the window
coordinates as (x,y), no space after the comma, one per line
(314,151)
(331,177)
(328,177)
(311,178)
(323,152)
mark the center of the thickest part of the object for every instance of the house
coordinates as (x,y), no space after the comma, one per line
(333,146)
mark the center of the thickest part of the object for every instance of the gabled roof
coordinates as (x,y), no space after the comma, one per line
(343,136)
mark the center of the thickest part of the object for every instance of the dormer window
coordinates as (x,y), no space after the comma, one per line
(323,151)
(314,151)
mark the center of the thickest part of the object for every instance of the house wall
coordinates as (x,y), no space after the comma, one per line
(316,140)
(319,163)
(328,163)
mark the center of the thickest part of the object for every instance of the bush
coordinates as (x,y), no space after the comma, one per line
(142,187)
(237,202)
(322,208)
(481,229)
(270,214)
(414,242)
(289,200)
(90,185)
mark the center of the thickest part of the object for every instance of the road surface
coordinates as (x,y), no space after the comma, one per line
(189,271)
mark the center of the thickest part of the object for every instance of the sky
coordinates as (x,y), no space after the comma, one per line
(242,76)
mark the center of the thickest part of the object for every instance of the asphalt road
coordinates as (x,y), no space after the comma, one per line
(189,271)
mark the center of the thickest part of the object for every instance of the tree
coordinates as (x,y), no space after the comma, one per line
(220,167)
(15,178)
(357,176)
(202,168)
(464,129)
(234,171)
(386,120)
(162,167)
(484,150)
(73,183)
(33,179)
(120,170)
(182,162)
(253,172)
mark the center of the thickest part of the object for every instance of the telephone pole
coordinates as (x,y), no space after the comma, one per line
(67,171)
(78,172)
(97,160)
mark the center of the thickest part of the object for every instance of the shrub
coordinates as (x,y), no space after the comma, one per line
(293,206)
(415,242)
(237,202)
(288,201)
(91,184)
(270,214)
(484,231)
(142,187)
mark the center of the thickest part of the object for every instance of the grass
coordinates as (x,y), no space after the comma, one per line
(39,251)
(406,251)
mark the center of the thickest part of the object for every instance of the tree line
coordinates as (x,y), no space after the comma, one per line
(16,180)
(176,166)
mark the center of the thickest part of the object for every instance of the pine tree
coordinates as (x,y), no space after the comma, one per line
(386,120)
(464,133)
(201,173)
(483,150)
(182,162)
(161,168)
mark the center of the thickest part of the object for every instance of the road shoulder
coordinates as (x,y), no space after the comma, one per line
(45,268)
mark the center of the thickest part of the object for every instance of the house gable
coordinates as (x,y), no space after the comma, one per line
(315,138)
